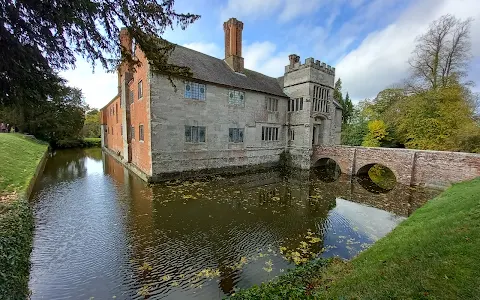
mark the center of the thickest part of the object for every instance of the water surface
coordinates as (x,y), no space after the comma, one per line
(97,224)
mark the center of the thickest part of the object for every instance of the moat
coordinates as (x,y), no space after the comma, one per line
(102,233)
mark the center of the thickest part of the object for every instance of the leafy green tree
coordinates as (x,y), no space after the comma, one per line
(354,132)
(377,134)
(347,109)
(337,91)
(59,118)
(40,38)
(438,119)
(91,127)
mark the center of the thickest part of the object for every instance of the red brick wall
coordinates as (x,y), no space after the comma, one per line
(112,118)
(140,115)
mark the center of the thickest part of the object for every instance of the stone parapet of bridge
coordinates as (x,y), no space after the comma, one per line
(411,167)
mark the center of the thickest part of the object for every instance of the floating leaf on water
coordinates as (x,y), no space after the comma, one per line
(174,283)
(166,277)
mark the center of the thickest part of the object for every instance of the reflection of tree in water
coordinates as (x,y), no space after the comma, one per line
(327,170)
(223,221)
(376,178)
(185,227)
(67,165)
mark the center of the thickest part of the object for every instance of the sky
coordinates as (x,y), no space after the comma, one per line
(367,41)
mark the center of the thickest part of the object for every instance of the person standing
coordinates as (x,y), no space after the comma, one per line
(2,127)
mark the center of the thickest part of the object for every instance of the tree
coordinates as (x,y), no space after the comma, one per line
(439,120)
(377,134)
(60,117)
(347,109)
(442,53)
(91,127)
(337,91)
(40,38)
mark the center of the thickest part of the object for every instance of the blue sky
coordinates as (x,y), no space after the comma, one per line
(368,41)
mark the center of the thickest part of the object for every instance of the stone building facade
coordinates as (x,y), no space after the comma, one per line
(224,118)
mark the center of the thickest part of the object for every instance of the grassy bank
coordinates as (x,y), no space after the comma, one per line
(434,254)
(19,157)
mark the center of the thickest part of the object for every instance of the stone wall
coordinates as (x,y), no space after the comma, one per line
(171,112)
(411,167)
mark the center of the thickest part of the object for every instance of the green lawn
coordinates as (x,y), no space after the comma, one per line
(19,157)
(434,254)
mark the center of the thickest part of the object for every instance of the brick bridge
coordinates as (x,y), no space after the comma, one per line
(411,167)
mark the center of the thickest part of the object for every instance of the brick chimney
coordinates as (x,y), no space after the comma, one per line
(123,68)
(233,44)
(125,40)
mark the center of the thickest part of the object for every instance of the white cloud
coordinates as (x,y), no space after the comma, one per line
(251,9)
(261,57)
(208,48)
(294,9)
(381,59)
(98,88)
(256,9)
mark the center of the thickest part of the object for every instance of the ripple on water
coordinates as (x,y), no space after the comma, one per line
(202,239)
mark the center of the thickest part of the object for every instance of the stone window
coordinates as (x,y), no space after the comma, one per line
(236,98)
(140,90)
(121,129)
(272,104)
(269,133)
(130,100)
(291,134)
(108,130)
(132,132)
(295,104)
(140,132)
(116,116)
(194,90)
(112,129)
(235,135)
(195,134)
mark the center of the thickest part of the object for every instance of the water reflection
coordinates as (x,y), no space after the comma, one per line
(96,225)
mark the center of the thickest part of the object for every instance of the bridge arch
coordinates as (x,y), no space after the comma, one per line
(327,169)
(376,177)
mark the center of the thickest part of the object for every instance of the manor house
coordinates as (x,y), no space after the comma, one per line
(224,118)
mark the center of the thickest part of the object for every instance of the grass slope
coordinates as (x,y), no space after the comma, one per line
(19,157)
(434,254)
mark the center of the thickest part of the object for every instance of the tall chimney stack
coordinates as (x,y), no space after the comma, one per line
(233,44)
(125,40)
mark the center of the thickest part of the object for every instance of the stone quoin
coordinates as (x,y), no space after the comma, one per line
(225,118)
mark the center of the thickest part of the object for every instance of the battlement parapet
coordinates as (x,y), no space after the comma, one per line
(310,62)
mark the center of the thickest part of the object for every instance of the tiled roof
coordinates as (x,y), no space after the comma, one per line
(210,69)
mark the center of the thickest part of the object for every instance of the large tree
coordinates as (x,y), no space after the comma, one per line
(442,53)
(40,38)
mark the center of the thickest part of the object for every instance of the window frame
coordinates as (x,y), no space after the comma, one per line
(272,104)
(237,95)
(194,88)
(140,90)
(141,133)
(132,132)
(270,134)
(236,135)
(195,135)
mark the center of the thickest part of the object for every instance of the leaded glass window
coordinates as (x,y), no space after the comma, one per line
(236,98)
(194,90)
(235,135)
(195,134)
(269,133)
